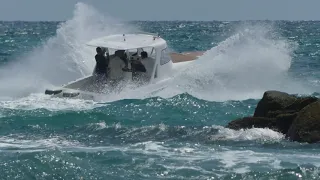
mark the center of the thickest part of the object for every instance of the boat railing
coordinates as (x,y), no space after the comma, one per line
(143,32)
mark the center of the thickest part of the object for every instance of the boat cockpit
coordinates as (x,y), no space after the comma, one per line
(135,64)
(138,58)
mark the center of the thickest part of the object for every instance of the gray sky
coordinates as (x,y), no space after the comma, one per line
(35,10)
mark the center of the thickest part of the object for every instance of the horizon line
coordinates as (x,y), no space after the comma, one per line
(167,20)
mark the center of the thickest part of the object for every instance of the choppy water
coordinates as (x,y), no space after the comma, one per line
(176,133)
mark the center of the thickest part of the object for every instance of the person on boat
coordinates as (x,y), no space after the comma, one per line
(142,67)
(123,56)
(147,62)
(137,65)
(101,64)
(118,64)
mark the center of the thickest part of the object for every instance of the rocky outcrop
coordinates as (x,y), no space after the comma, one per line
(296,117)
(284,121)
(306,126)
(273,101)
(253,122)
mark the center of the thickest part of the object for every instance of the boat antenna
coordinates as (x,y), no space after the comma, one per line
(124,37)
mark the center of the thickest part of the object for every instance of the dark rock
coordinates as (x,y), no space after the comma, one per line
(297,117)
(300,103)
(274,114)
(284,122)
(306,126)
(273,101)
(250,122)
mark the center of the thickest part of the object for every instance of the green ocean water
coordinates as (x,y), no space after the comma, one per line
(175,133)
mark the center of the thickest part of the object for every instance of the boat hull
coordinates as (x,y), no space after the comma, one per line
(82,88)
(105,96)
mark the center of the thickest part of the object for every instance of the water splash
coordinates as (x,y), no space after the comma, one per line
(243,66)
(63,57)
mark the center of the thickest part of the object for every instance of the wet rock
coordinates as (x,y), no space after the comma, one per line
(252,122)
(284,121)
(300,103)
(275,114)
(273,101)
(296,117)
(306,126)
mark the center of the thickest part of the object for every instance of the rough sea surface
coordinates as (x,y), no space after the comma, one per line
(175,133)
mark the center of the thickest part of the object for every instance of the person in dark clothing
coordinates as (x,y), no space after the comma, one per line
(102,62)
(137,65)
(138,71)
(101,70)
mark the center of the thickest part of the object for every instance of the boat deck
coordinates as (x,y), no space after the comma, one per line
(187,56)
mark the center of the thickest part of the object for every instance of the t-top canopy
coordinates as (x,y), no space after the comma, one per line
(128,41)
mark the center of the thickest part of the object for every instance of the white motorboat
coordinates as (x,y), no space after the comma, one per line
(158,66)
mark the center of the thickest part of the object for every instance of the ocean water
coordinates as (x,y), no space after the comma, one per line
(175,133)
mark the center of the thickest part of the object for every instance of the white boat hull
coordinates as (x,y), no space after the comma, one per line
(103,96)
(83,88)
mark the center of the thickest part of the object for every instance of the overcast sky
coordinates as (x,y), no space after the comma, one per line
(35,10)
